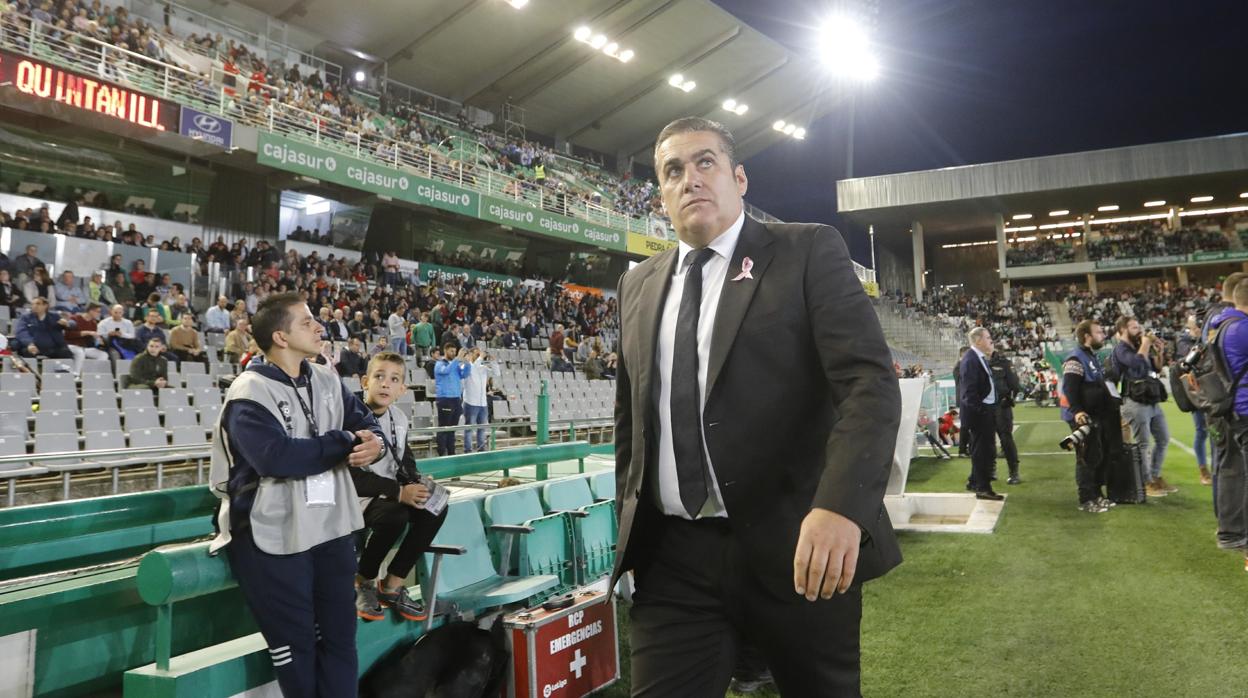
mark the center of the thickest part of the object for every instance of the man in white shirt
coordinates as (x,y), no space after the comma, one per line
(396,324)
(476,402)
(116,332)
(217,319)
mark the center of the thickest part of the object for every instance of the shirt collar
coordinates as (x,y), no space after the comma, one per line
(723,245)
(981,354)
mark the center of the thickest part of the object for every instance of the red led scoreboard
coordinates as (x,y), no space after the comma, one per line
(87,92)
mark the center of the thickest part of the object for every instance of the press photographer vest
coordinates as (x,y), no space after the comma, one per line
(282,522)
(1092,373)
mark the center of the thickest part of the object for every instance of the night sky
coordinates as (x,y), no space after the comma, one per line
(971,81)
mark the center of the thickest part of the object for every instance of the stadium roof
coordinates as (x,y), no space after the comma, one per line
(958,199)
(485,52)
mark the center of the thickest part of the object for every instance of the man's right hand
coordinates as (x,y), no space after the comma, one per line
(32,349)
(161,382)
(1082,418)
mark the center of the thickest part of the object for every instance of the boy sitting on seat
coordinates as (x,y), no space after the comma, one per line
(393,497)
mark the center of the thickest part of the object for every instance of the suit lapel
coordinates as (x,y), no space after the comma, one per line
(735,296)
(648,311)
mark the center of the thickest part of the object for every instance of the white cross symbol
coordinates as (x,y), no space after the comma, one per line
(578,663)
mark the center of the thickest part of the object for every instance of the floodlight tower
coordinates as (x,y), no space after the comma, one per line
(846,50)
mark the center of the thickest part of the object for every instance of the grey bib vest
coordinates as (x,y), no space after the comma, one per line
(282,521)
(394,428)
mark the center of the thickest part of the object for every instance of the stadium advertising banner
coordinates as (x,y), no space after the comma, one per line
(648,246)
(1223,256)
(86,92)
(209,128)
(339,168)
(430,272)
(535,220)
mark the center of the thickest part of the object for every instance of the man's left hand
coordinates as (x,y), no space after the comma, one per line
(365,452)
(827,554)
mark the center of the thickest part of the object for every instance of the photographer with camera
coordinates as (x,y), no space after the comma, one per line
(1135,364)
(1187,341)
(1230,433)
(1092,413)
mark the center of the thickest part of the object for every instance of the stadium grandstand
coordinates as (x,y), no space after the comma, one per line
(483,183)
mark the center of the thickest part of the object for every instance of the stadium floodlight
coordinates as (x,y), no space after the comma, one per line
(1021,217)
(1111,207)
(846,50)
(582,34)
(611,49)
(779,125)
(598,41)
(1060,212)
(1201,199)
(741,109)
(730,105)
(800,134)
(360,76)
(626,55)
(676,80)
(688,86)
(789,129)
(1158,202)
(517,4)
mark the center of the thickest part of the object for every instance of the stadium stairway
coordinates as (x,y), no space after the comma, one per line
(1059,313)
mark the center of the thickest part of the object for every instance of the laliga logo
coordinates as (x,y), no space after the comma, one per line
(207,123)
(549,689)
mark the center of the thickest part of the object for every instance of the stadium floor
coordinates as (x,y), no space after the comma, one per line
(1133,602)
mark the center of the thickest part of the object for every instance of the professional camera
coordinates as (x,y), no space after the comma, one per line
(1188,362)
(1076,438)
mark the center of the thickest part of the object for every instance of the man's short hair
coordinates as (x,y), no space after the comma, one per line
(449,345)
(273,315)
(976,334)
(1084,330)
(39,299)
(1230,283)
(1123,322)
(1241,294)
(386,357)
(92,306)
(694,124)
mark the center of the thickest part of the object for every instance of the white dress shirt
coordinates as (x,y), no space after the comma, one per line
(992,385)
(713,273)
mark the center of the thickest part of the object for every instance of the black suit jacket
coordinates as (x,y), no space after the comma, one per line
(974,383)
(802,404)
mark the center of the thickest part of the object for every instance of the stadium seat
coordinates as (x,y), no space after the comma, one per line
(458,568)
(195,381)
(594,528)
(112,441)
(98,381)
(18,400)
(56,422)
(101,419)
(11,472)
(59,381)
(57,366)
(96,366)
(208,417)
(180,417)
(527,540)
(56,443)
(99,400)
(58,400)
(14,424)
(173,397)
(603,486)
(141,418)
(206,396)
(136,397)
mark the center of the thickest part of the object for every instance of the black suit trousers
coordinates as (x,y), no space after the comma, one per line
(698,602)
(983,446)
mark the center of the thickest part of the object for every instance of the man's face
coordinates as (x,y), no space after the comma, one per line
(451,352)
(354,345)
(304,335)
(155,347)
(1096,337)
(31,250)
(153,317)
(116,312)
(984,344)
(187,321)
(67,278)
(1134,331)
(93,313)
(700,188)
(222,302)
(39,306)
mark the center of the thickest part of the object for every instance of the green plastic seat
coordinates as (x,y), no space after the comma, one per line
(594,528)
(546,548)
(603,485)
(458,568)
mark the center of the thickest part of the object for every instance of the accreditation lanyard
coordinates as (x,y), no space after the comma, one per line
(392,445)
(319,488)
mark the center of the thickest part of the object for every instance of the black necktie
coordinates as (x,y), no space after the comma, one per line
(685,405)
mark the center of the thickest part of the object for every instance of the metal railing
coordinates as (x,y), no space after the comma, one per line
(233,96)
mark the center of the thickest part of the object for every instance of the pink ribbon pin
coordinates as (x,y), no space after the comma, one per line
(746,265)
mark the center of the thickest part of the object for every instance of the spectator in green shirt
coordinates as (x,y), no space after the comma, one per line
(423,336)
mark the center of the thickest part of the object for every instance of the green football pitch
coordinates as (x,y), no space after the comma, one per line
(1056,602)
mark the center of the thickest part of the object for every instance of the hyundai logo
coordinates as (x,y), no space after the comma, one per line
(207,123)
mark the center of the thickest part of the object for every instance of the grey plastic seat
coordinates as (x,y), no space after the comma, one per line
(180,417)
(56,422)
(101,420)
(58,400)
(141,418)
(136,397)
(59,381)
(99,400)
(174,397)
(57,443)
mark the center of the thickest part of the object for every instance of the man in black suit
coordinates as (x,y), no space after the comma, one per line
(756,418)
(977,400)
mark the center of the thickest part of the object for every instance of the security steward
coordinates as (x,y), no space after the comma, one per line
(1007,386)
(282,446)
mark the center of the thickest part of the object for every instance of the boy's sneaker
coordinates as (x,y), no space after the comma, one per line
(367,605)
(1108,504)
(409,608)
(1093,507)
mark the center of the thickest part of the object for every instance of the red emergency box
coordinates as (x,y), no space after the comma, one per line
(566,653)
